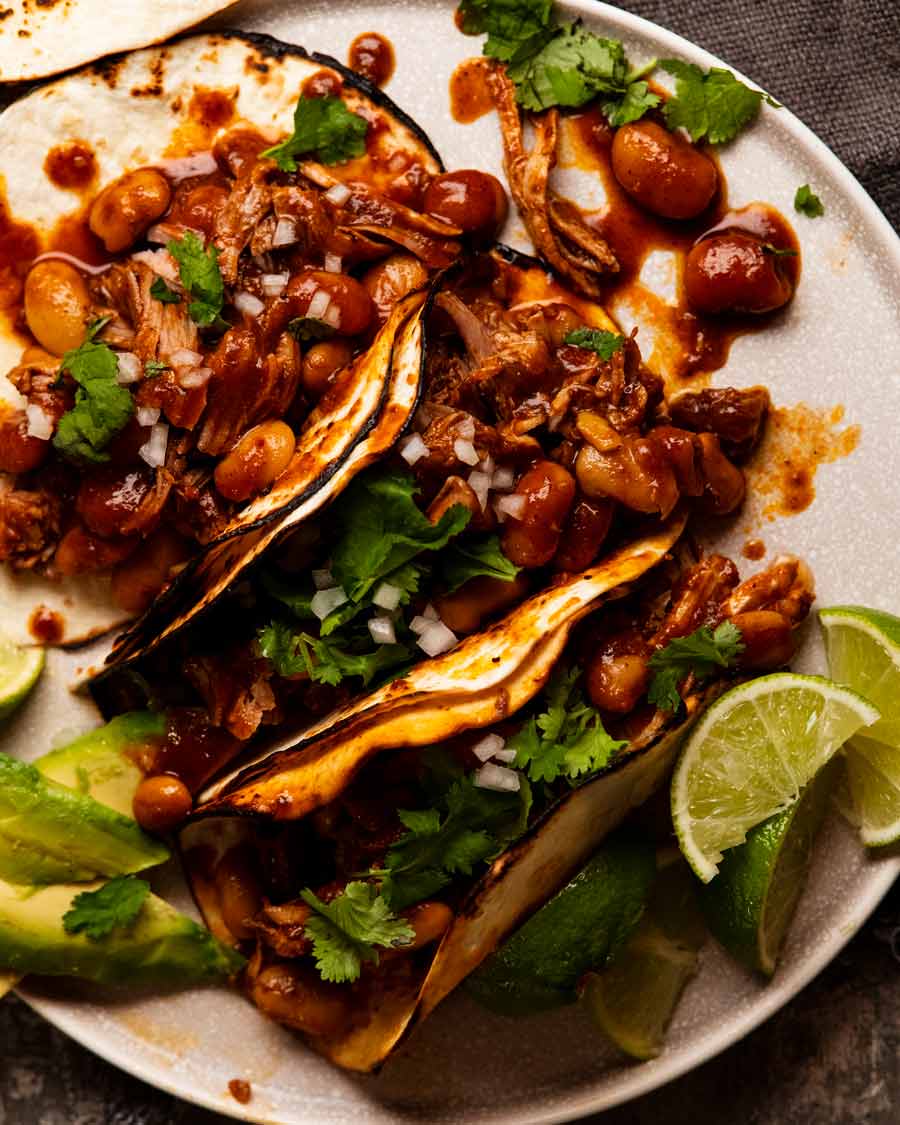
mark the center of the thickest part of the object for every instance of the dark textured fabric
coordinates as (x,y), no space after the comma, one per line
(836,65)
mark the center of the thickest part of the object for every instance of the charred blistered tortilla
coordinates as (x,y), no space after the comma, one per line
(374,866)
(214,242)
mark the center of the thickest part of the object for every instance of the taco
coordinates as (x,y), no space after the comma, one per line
(202,304)
(369,869)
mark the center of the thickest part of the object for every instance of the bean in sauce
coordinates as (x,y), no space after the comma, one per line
(46,626)
(71,166)
(372,56)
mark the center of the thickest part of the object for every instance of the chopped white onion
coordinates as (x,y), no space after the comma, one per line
(318,305)
(507,756)
(387,596)
(194,377)
(466,429)
(382,630)
(273,284)
(153,451)
(128,368)
(499,778)
(502,479)
(512,506)
(332,316)
(480,483)
(431,613)
(487,465)
(147,415)
(333,263)
(327,600)
(184,357)
(182,167)
(413,449)
(247,303)
(465,451)
(488,747)
(40,424)
(421,621)
(323,580)
(161,262)
(338,194)
(436,638)
(285,233)
(165,232)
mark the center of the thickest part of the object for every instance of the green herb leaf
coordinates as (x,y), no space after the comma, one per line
(198,268)
(325,662)
(701,652)
(161,292)
(102,407)
(345,931)
(324,128)
(808,203)
(714,105)
(465,559)
(637,100)
(304,328)
(567,739)
(604,343)
(154,367)
(113,906)
(508,23)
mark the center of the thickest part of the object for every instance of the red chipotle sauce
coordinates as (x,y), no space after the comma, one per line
(372,56)
(470,95)
(71,166)
(46,626)
(322,84)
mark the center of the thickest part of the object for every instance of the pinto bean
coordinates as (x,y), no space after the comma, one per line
(471,200)
(294,995)
(161,802)
(240,898)
(258,459)
(321,363)
(390,279)
(466,609)
(586,528)
(768,640)
(80,552)
(734,271)
(19,453)
(238,150)
(137,580)
(664,172)
(616,679)
(725,484)
(125,208)
(549,491)
(57,305)
(352,305)
(734,414)
(638,475)
(430,920)
(113,502)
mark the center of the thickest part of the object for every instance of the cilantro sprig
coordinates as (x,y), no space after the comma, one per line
(198,267)
(346,931)
(598,340)
(102,407)
(324,128)
(701,652)
(713,105)
(114,906)
(808,203)
(161,292)
(295,653)
(473,558)
(568,738)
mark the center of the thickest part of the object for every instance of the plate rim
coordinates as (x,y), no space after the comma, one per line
(643,1078)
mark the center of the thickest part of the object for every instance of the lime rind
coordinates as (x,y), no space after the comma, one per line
(20,669)
(752,753)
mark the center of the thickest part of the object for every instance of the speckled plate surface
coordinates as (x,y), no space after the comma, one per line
(836,347)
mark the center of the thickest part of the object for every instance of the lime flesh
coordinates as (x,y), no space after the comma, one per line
(20,668)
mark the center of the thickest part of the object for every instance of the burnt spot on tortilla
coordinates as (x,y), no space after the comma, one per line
(154,87)
(23,34)
(71,166)
(212,109)
(254,65)
(5,13)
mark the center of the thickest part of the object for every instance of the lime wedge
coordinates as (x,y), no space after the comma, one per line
(864,651)
(20,667)
(752,753)
(751,903)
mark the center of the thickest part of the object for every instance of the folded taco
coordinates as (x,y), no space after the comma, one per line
(369,869)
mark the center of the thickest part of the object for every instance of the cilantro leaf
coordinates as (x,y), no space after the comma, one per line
(345,931)
(637,100)
(808,203)
(701,652)
(604,343)
(102,407)
(567,739)
(304,328)
(161,292)
(381,528)
(113,906)
(508,23)
(325,662)
(198,268)
(714,105)
(463,560)
(324,128)
(154,367)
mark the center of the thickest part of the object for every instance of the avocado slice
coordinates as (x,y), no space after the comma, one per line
(161,948)
(52,834)
(98,763)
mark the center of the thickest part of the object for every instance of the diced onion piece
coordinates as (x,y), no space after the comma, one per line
(285,233)
(332,316)
(147,415)
(510,506)
(161,262)
(323,580)
(273,284)
(465,451)
(466,429)
(153,451)
(503,479)
(40,424)
(507,756)
(182,167)
(436,638)
(387,596)
(327,600)
(338,194)
(431,613)
(487,465)
(247,303)
(382,630)
(128,368)
(333,263)
(184,357)
(480,484)
(421,621)
(194,377)
(413,449)
(488,747)
(499,778)
(318,305)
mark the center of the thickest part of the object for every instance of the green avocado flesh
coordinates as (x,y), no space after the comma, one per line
(162,947)
(581,928)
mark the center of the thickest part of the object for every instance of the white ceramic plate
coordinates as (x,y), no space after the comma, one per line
(838,344)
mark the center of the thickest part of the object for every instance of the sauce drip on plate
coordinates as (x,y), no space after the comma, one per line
(372,56)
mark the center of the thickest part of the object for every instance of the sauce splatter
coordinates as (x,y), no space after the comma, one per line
(322,84)
(71,166)
(470,95)
(797,441)
(46,626)
(240,1090)
(211,109)
(753,549)
(19,244)
(372,56)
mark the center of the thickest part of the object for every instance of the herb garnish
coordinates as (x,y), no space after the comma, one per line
(113,906)
(324,128)
(160,291)
(155,367)
(701,652)
(714,105)
(808,203)
(345,931)
(598,340)
(198,268)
